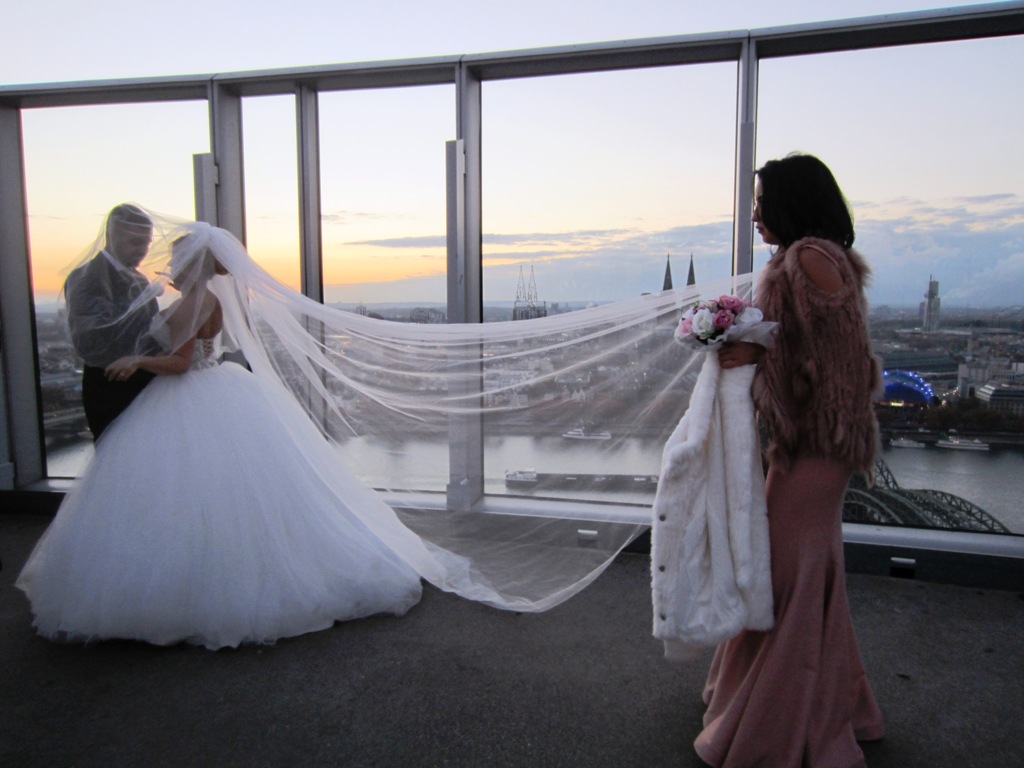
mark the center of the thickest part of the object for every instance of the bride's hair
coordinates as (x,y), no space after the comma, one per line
(191,260)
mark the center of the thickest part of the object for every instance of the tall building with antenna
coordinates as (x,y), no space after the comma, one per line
(930,306)
(527,306)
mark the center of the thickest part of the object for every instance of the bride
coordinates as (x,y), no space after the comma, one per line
(227,504)
(199,518)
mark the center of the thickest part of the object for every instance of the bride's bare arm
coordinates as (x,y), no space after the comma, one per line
(183,318)
(173,364)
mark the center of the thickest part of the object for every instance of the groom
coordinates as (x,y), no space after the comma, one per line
(104,326)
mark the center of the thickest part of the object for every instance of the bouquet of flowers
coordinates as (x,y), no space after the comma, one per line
(715,320)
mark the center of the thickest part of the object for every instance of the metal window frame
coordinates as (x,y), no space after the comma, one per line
(22,458)
(22,452)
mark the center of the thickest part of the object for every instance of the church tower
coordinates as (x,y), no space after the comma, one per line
(527,305)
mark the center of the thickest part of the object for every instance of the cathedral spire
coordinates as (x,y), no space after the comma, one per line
(667,285)
(691,279)
(521,287)
(528,304)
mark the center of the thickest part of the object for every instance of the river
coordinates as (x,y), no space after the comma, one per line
(992,480)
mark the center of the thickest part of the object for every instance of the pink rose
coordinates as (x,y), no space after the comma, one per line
(686,326)
(732,303)
(723,319)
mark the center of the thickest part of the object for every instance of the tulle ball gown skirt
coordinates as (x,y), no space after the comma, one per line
(201,519)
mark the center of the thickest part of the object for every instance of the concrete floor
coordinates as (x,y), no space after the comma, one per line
(455,683)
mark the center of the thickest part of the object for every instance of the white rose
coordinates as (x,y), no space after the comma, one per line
(703,322)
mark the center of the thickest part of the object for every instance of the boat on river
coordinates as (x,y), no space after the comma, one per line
(906,442)
(961,444)
(521,477)
(582,433)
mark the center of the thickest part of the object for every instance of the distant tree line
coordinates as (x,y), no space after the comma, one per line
(969,415)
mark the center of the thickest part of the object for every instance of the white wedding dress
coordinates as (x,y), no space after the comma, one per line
(219,508)
(206,516)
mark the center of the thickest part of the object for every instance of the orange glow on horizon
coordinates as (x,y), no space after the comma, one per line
(51,261)
(368,265)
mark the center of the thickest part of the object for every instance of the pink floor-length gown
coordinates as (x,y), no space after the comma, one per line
(797,696)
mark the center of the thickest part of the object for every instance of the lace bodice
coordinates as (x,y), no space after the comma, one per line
(204,355)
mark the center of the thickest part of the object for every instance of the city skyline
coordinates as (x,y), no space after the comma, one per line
(917,239)
(589,178)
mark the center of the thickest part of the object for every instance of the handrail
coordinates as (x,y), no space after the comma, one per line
(962,23)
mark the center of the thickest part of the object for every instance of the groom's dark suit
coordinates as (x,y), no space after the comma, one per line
(98,296)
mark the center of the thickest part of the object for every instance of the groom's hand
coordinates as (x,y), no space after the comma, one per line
(122,369)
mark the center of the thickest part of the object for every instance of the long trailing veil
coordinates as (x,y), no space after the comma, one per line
(421,414)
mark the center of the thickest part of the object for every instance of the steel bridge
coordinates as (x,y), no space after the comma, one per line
(888,504)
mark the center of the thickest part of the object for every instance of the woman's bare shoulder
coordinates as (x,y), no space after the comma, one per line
(820,268)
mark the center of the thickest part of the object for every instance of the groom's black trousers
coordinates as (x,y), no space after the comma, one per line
(105,400)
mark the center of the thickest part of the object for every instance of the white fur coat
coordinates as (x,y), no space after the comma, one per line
(710,560)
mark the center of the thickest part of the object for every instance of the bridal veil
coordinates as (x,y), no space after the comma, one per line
(597,387)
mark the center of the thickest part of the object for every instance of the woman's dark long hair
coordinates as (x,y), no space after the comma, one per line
(800,198)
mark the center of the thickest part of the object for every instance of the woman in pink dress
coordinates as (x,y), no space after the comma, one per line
(797,696)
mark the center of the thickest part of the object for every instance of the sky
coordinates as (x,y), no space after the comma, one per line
(925,145)
(53,40)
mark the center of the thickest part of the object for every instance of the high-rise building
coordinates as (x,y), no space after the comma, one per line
(930,306)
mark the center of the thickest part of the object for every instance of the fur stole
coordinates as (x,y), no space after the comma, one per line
(814,389)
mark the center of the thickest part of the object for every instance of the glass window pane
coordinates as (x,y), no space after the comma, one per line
(937,190)
(590,181)
(272,186)
(592,185)
(79,163)
(382,157)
